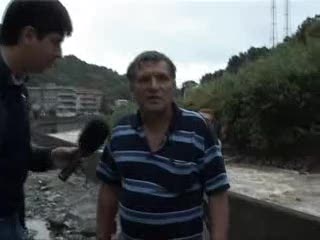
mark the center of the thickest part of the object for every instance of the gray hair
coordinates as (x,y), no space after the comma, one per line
(149,56)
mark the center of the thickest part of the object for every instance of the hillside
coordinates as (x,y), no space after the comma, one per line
(72,71)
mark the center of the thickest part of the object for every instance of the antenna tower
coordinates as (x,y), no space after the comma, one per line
(274,37)
(287,18)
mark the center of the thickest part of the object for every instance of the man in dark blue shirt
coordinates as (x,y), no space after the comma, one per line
(159,163)
(31,36)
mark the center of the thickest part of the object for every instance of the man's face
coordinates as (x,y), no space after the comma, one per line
(40,54)
(153,87)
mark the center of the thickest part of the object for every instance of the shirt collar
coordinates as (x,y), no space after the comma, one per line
(18,81)
(177,113)
(7,78)
(5,74)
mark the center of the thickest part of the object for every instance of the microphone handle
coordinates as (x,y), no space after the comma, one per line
(68,170)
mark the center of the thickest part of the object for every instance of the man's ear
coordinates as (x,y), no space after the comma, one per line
(28,35)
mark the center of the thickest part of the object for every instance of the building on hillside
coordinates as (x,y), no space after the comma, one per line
(64,101)
(88,101)
(120,102)
(44,99)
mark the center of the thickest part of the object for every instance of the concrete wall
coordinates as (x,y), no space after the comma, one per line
(43,140)
(253,219)
(55,124)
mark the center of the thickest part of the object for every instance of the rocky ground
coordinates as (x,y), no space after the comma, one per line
(59,210)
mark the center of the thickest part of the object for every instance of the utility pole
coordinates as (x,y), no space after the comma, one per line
(287,18)
(274,37)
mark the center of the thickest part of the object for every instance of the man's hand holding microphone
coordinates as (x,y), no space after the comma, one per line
(90,139)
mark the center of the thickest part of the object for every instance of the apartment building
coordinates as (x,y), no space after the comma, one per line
(88,101)
(64,101)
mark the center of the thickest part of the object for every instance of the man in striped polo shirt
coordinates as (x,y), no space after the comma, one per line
(159,163)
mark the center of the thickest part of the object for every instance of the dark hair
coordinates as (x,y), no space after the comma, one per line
(149,56)
(46,16)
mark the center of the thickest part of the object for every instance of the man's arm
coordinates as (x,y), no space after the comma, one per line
(107,210)
(219,214)
(108,173)
(40,159)
(44,158)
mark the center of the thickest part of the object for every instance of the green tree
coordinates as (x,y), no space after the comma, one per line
(269,99)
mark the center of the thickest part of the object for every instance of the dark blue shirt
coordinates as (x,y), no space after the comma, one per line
(16,154)
(162,191)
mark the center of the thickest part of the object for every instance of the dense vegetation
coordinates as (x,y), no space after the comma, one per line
(268,99)
(121,111)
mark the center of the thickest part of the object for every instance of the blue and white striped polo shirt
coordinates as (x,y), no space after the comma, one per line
(162,191)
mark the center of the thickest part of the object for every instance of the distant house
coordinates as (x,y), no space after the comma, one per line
(64,101)
(88,101)
(120,102)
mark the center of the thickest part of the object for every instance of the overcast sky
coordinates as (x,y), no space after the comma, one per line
(199,36)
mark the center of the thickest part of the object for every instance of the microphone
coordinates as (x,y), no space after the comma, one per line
(90,139)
